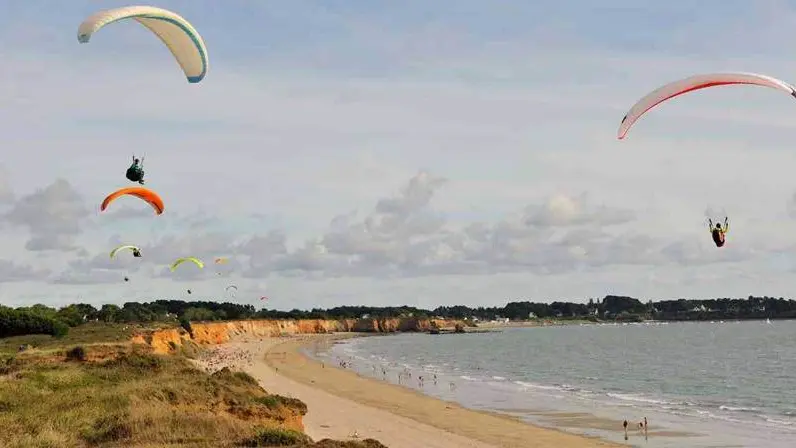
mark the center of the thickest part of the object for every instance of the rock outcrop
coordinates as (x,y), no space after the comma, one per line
(208,333)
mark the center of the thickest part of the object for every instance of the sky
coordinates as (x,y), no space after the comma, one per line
(384,153)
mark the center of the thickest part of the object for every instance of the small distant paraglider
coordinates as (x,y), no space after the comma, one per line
(135,249)
(221,260)
(136,253)
(180,261)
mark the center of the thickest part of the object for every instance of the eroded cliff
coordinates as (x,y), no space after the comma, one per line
(207,333)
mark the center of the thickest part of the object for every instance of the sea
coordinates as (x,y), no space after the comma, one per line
(699,384)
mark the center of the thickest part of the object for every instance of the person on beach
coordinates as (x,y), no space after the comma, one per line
(625,426)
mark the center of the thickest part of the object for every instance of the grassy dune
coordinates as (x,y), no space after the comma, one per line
(58,394)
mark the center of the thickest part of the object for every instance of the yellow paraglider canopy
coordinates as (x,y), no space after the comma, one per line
(193,260)
(124,246)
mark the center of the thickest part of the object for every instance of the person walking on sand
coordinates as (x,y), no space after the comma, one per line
(625,426)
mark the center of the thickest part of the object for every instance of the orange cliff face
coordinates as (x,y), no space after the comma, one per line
(210,333)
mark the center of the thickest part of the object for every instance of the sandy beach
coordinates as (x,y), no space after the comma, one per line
(344,405)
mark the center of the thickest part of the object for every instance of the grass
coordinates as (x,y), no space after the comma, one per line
(116,395)
(285,437)
(90,333)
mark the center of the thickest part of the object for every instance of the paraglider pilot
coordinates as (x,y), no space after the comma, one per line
(718,232)
(136,171)
(136,253)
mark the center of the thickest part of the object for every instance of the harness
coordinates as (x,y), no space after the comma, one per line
(718,237)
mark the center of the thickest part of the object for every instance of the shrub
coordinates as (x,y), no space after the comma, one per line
(76,354)
(186,324)
(276,437)
(108,428)
(274,401)
(366,443)
(20,323)
(136,361)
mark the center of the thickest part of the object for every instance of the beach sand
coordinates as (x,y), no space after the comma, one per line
(342,403)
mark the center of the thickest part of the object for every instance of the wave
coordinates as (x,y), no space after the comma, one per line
(738,409)
(499,383)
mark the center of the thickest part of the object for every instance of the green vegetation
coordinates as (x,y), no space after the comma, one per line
(43,320)
(70,377)
(277,437)
(286,437)
(18,322)
(85,334)
(116,395)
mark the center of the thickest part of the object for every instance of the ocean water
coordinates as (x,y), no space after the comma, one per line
(705,384)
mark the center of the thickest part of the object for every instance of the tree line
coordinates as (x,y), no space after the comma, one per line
(41,319)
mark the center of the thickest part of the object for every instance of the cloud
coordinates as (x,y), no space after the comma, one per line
(206,247)
(82,275)
(13,272)
(6,192)
(281,162)
(790,206)
(263,251)
(53,216)
(125,213)
(404,236)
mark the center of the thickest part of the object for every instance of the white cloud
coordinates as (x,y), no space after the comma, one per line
(13,272)
(291,129)
(53,216)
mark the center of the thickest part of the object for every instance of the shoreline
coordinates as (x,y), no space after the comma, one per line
(588,413)
(479,428)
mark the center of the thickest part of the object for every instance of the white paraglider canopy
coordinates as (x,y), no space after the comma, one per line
(180,37)
(693,83)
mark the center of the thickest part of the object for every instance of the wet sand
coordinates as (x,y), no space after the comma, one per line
(343,404)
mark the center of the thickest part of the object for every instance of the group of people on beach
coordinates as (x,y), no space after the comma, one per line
(640,426)
(217,358)
(403,376)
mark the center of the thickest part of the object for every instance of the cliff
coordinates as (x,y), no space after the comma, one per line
(208,333)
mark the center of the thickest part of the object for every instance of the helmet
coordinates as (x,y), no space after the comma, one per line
(135,160)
